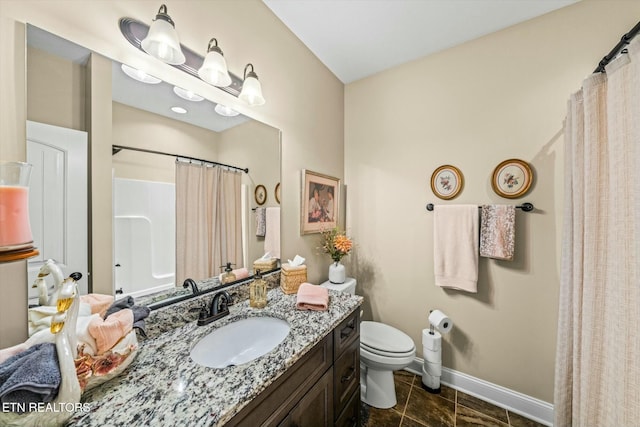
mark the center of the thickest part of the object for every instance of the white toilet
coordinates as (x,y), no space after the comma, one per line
(383,349)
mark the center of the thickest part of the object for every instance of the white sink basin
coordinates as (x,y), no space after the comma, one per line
(240,342)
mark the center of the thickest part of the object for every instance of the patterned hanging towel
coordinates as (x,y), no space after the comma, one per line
(498,231)
(261,222)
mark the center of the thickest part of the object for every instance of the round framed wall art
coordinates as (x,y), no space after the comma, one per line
(447,182)
(512,178)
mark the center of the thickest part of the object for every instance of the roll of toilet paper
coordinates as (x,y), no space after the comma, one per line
(432,356)
(431,341)
(440,321)
(429,380)
(434,369)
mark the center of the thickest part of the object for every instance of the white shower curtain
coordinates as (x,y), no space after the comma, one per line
(208,220)
(597,380)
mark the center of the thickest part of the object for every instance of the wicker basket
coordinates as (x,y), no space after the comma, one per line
(265,264)
(292,277)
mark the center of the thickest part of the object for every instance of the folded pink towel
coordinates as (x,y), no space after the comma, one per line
(241,273)
(312,297)
(108,332)
(99,303)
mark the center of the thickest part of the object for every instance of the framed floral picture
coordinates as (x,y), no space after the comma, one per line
(512,178)
(320,202)
(447,182)
(260,194)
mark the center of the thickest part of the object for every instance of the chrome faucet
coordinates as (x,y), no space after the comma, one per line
(192,283)
(218,308)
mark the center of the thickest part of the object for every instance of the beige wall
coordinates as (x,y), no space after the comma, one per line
(56,90)
(473,106)
(137,128)
(312,132)
(256,146)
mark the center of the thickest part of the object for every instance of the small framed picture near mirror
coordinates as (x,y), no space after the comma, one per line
(320,202)
(447,182)
(512,178)
(260,194)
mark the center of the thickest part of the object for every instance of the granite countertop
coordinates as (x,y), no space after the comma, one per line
(163,386)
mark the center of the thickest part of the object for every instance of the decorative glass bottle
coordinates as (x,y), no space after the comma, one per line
(258,291)
(228,276)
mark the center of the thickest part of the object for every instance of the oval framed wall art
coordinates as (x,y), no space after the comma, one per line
(447,182)
(512,178)
(260,194)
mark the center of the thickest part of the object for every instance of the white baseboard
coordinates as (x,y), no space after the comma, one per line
(511,400)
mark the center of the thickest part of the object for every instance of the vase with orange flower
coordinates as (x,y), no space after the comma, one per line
(337,245)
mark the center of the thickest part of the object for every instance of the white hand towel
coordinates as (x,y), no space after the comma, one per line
(455,246)
(272,236)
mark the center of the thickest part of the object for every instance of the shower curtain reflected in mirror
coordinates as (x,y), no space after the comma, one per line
(598,355)
(208,220)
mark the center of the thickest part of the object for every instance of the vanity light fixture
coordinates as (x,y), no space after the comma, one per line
(187,94)
(179,110)
(162,40)
(223,110)
(214,68)
(139,75)
(251,89)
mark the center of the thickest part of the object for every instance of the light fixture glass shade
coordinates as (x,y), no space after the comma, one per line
(162,40)
(223,110)
(139,75)
(251,92)
(187,94)
(214,67)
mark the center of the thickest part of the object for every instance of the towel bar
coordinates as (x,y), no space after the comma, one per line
(526,207)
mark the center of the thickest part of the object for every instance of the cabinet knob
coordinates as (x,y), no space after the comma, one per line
(349,376)
(348,330)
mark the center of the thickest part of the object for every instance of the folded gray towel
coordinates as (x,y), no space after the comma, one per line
(120,304)
(31,376)
(140,312)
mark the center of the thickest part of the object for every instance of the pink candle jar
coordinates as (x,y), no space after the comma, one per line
(15,230)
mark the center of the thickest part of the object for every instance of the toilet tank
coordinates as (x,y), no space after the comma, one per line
(348,286)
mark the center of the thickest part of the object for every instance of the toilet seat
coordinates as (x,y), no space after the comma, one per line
(385,340)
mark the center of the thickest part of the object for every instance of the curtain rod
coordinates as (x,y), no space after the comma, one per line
(115,149)
(526,207)
(618,48)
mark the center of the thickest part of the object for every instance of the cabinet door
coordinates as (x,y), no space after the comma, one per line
(315,409)
(347,376)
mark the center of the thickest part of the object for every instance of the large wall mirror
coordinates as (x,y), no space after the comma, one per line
(144,183)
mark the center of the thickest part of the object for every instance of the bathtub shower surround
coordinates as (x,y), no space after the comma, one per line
(145,236)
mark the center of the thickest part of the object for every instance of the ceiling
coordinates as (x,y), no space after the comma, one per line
(359,38)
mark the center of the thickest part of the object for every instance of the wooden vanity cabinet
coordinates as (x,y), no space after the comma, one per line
(322,389)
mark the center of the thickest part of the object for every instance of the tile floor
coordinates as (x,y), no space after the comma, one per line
(418,408)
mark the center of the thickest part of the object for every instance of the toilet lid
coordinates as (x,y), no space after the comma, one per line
(385,338)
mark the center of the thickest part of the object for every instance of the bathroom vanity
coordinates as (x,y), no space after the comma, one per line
(312,375)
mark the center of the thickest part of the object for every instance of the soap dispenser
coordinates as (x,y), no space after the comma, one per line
(228,276)
(258,291)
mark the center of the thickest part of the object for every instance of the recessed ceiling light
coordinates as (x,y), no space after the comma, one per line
(178,110)
(187,94)
(223,110)
(139,75)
